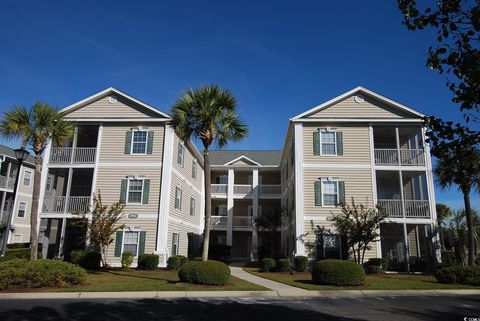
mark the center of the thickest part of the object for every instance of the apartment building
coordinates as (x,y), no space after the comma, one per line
(124,151)
(20,220)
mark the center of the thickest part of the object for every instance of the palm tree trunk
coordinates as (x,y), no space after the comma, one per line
(34,212)
(469,216)
(208,204)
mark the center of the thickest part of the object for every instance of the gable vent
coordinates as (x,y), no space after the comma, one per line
(359,99)
(112,99)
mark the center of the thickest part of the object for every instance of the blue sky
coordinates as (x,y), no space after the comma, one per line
(280,58)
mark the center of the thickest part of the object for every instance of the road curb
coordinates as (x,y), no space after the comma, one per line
(230,294)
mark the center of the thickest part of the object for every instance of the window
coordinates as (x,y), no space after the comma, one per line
(139,142)
(194,169)
(130,242)
(192,206)
(328,143)
(178,198)
(222,179)
(175,243)
(17,238)
(181,154)
(27,178)
(329,193)
(329,245)
(221,210)
(135,191)
(22,208)
(49,186)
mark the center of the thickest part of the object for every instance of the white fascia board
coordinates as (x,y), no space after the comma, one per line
(242,157)
(116,120)
(246,167)
(357,120)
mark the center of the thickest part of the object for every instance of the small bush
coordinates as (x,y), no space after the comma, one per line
(469,275)
(127,259)
(219,252)
(204,272)
(18,246)
(268,265)
(18,253)
(148,261)
(175,262)
(338,272)
(88,260)
(301,263)
(284,265)
(18,273)
(448,258)
(376,265)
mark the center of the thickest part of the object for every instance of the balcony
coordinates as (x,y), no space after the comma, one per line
(242,221)
(240,189)
(6,182)
(408,157)
(413,208)
(218,221)
(71,155)
(275,190)
(64,205)
(219,189)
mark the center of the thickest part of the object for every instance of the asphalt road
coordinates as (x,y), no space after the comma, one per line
(247,309)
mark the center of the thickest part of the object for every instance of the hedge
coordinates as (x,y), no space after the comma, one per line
(301,263)
(268,264)
(204,272)
(175,262)
(127,259)
(88,260)
(338,272)
(20,273)
(448,258)
(284,265)
(147,261)
(469,275)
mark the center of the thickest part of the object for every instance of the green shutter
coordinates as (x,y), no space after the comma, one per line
(150,143)
(123,191)
(341,192)
(141,244)
(318,193)
(128,143)
(146,190)
(339,143)
(118,244)
(316,143)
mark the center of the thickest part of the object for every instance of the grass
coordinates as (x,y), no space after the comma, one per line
(373,282)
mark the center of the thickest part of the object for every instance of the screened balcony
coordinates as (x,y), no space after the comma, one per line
(80,150)
(395,146)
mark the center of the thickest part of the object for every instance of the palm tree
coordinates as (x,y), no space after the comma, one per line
(209,114)
(465,173)
(270,221)
(35,127)
(443,212)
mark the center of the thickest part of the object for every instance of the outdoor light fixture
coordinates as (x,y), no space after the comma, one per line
(21,154)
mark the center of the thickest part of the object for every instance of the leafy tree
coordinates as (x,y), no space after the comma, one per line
(457,52)
(443,212)
(463,170)
(104,225)
(360,226)
(207,113)
(270,220)
(35,127)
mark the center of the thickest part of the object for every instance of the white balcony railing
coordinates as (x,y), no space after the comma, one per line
(63,204)
(413,208)
(218,221)
(270,189)
(70,155)
(412,157)
(242,189)
(219,188)
(242,221)
(386,156)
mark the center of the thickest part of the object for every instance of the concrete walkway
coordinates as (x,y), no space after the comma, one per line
(280,288)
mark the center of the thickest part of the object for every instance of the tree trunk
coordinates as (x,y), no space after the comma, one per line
(470,237)
(34,212)
(208,204)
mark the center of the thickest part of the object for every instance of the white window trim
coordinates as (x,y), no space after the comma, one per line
(178,188)
(194,169)
(338,192)
(138,239)
(18,210)
(177,244)
(146,141)
(128,190)
(15,235)
(181,147)
(328,130)
(24,175)
(194,205)
(226,210)
(51,183)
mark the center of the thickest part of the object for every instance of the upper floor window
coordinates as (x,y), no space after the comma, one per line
(135,191)
(139,142)
(178,198)
(181,154)
(27,178)
(49,184)
(22,208)
(194,169)
(328,143)
(329,193)
(192,206)
(222,179)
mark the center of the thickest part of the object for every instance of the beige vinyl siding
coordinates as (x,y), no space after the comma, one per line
(182,230)
(22,188)
(358,184)
(112,147)
(187,193)
(102,108)
(186,169)
(356,144)
(370,108)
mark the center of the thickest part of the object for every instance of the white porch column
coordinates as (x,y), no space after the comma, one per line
(62,239)
(69,187)
(299,216)
(231,180)
(255,187)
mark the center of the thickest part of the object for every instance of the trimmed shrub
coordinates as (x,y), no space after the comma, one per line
(42,273)
(204,272)
(127,259)
(469,275)
(18,253)
(148,261)
(88,260)
(301,263)
(448,258)
(219,252)
(338,272)
(284,265)
(175,262)
(268,265)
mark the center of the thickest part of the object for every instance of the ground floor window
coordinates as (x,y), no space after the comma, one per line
(175,243)
(130,242)
(330,245)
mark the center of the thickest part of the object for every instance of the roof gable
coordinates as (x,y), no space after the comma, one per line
(243,161)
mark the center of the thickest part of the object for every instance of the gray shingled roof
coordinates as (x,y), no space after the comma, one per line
(263,157)
(7,151)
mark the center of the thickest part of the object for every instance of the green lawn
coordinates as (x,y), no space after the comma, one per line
(373,282)
(158,280)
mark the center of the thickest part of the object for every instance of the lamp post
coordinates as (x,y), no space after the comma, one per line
(21,154)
